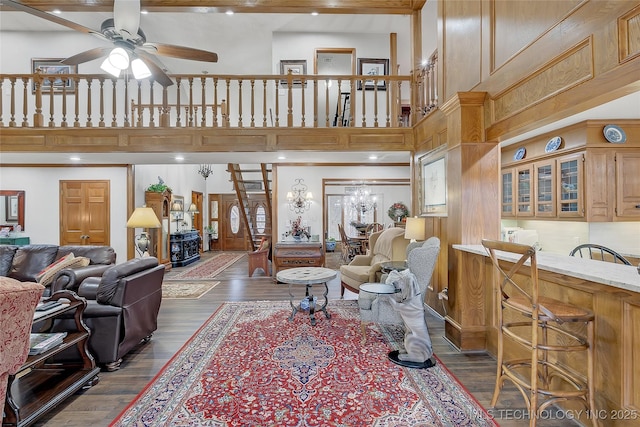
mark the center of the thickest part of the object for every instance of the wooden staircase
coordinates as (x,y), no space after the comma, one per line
(240,179)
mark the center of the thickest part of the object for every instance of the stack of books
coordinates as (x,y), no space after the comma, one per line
(39,343)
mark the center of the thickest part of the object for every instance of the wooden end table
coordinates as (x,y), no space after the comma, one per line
(307,276)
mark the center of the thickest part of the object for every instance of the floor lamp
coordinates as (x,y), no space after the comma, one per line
(144,218)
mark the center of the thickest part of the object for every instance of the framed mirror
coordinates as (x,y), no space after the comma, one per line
(12,209)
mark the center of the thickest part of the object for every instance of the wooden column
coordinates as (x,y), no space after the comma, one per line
(473,167)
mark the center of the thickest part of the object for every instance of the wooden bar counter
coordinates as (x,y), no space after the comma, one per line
(611,291)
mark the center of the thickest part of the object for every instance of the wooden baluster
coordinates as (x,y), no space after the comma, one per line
(277,124)
(140,106)
(253,103)
(52,123)
(387,98)
(25,102)
(190,114)
(364,104)
(38,120)
(114,103)
(152,113)
(186,114)
(126,107)
(203,97)
(303,87)
(240,103)
(178,80)
(227,121)
(264,103)
(215,102)
(76,99)
(89,81)
(12,121)
(315,103)
(340,120)
(101,123)
(289,100)
(375,103)
(163,112)
(326,103)
(223,112)
(1,103)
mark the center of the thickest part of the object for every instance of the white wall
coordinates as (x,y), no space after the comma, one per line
(42,200)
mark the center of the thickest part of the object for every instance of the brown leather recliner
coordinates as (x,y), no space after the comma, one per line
(122,309)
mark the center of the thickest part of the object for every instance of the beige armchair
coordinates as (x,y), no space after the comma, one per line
(386,245)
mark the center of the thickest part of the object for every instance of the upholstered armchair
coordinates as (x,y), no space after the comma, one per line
(386,245)
(377,308)
(18,302)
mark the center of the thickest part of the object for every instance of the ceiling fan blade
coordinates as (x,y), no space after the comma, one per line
(48,16)
(87,55)
(158,73)
(183,52)
(126,16)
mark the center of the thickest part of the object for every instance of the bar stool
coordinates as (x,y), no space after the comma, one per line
(544,334)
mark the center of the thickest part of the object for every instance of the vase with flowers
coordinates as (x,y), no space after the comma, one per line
(297,231)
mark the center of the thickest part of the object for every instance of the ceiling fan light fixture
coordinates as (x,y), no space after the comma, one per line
(119,58)
(140,69)
(108,68)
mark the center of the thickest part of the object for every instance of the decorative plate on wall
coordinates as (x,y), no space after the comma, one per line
(553,144)
(519,155)
(614,134)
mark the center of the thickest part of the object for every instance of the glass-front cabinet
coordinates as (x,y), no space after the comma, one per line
(524,181)
(507,193)
(570,181)
(545,188)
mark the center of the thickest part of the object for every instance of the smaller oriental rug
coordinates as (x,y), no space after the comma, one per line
(186,290)
(208,269)
(250,366)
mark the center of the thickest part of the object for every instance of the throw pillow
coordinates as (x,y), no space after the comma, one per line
(46,276)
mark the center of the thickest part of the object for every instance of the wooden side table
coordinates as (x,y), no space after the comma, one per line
(307,276)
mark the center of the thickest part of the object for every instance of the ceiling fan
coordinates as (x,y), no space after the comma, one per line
(130,43)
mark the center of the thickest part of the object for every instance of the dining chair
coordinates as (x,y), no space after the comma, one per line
(598,252)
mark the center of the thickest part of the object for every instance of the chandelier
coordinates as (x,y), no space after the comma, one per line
(205,171)
(362,201)
(299,198)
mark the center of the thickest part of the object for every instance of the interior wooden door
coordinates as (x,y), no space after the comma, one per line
(84,213)
(232,230)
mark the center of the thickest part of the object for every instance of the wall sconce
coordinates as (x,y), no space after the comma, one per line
(205,171)
(143,217)
(299,198)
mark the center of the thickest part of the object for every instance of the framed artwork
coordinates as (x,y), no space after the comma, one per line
(11,208)
(297,67)
(373,67)
(433,183)
(53,66)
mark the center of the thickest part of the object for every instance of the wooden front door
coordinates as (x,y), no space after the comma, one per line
(84,213)
(232,230)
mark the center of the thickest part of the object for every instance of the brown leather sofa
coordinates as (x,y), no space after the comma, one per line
(23,263)
(122,309)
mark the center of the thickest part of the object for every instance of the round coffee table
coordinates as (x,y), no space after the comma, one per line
(307,276)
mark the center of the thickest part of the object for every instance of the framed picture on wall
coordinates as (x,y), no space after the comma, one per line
(53,67)
(433,182)
(297,67)
(11,208)
(373,67)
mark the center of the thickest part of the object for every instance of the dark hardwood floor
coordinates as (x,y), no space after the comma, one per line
(179,320)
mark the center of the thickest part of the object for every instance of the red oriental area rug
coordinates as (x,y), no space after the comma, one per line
(207,269)
(249,366)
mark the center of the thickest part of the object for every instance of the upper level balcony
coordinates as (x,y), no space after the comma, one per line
(39,110)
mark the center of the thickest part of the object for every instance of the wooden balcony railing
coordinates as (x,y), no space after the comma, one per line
(88,100)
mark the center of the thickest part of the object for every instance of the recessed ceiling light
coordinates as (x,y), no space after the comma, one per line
(282,157)
(314,13)
(179,158)
(229,12)
(56,11)
(144,11)
(74,158)
(373,157)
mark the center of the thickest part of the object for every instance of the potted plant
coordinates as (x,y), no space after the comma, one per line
(159,187)
(330,244)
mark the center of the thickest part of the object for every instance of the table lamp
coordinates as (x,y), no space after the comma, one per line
(415,229)
(143,217)
(176,210)
(193,209)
